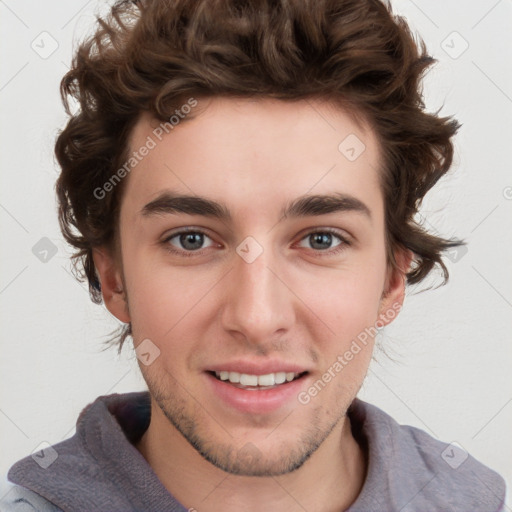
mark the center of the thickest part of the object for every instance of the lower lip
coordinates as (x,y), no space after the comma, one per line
(256,401)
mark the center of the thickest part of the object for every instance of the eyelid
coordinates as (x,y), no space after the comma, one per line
(186,229)
(341,234)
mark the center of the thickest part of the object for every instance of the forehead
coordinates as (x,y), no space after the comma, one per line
(259,152)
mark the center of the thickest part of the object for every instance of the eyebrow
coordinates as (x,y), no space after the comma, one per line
(312,205)
(304,206)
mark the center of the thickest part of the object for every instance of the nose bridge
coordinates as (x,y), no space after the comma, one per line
(258,304)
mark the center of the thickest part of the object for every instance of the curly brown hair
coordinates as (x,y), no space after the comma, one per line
(148,55)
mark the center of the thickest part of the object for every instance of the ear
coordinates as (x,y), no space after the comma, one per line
(394,291)
(112,286)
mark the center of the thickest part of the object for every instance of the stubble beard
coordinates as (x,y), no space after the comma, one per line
(247,460)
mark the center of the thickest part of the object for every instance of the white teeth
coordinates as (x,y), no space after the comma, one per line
(248,380)
(280,377)
(234,377)
(266,380)
(269,379)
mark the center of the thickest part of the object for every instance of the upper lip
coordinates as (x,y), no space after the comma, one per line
(257,368)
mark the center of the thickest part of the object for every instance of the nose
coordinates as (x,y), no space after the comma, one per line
(258,305)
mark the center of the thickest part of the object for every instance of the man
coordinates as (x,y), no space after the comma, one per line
(240,183)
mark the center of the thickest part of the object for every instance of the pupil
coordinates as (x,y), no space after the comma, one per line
(321,240)
(191,241)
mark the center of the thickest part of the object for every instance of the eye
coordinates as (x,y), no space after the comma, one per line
(325,241)
(188,241)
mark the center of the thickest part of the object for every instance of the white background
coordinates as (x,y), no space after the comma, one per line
(448,368)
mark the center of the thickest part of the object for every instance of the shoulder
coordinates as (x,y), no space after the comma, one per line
(415,471)
(456,476)
(19,499)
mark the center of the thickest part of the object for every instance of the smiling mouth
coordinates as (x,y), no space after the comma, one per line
(257,382)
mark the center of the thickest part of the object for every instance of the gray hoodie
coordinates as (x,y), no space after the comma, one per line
(100,469)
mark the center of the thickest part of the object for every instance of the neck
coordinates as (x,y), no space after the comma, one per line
(330,480)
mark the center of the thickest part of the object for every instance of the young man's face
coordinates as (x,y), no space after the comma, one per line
(251,291)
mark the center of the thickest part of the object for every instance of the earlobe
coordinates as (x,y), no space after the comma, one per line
(394,293)
(112,288)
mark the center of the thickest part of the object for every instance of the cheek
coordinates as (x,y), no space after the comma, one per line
(349,310)
(346,299)
(351,340)
(163,300)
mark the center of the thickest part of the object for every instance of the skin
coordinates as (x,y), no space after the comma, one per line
(296,302)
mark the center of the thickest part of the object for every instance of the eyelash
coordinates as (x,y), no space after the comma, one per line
(328,252)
